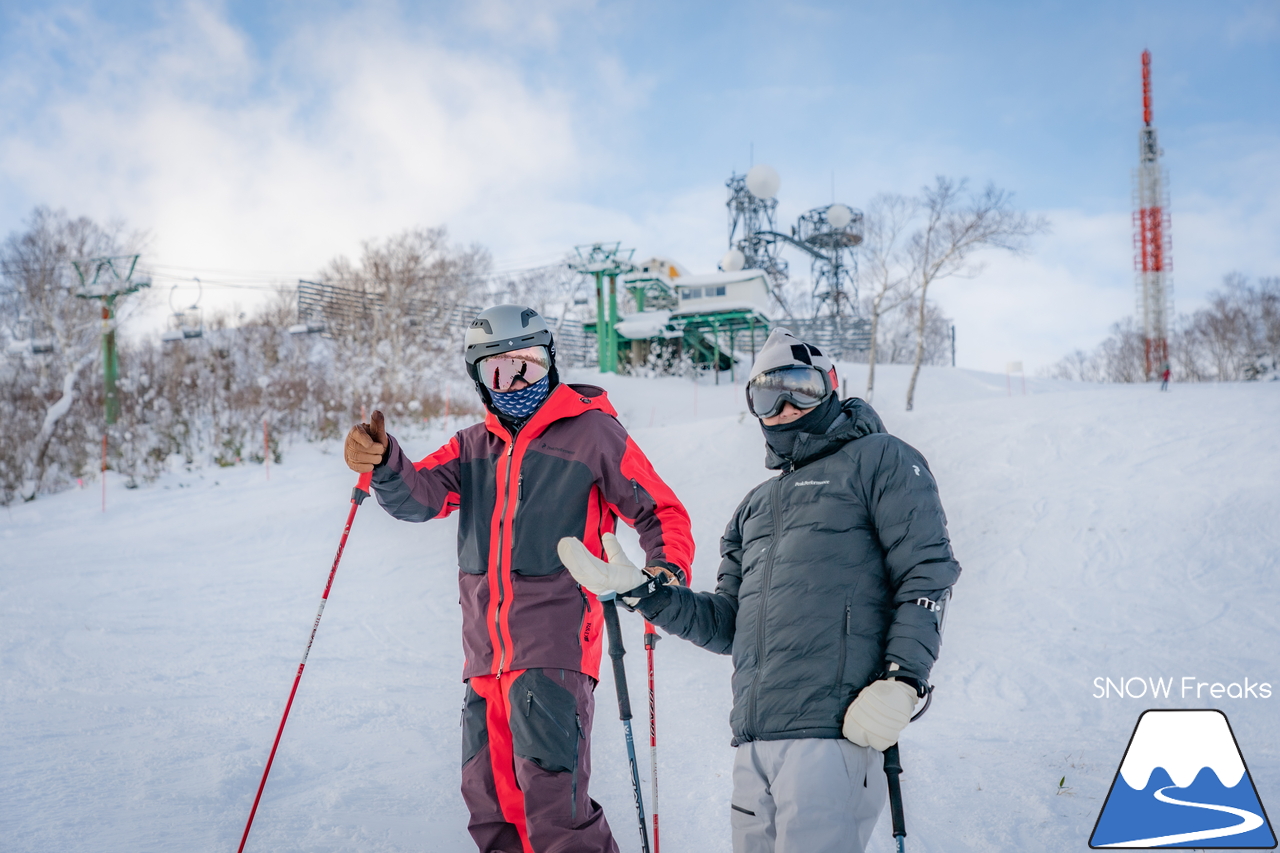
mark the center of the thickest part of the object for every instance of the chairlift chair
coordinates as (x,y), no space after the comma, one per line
(311,327)
(35,343)
(185,323)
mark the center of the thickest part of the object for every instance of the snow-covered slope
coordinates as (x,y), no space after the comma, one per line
(1106,532)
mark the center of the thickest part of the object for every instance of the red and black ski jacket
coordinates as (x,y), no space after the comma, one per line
(570,470)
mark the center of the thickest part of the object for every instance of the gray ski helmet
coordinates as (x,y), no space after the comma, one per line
(504,328)
(784,349)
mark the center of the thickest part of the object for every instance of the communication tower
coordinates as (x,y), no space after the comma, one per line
(1152,241)
(752,204)
(828,235)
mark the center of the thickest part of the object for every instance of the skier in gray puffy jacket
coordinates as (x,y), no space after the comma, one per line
(829,597)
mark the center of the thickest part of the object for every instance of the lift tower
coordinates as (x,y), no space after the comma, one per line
(1151,238)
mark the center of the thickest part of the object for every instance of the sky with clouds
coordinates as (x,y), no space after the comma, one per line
(255,141)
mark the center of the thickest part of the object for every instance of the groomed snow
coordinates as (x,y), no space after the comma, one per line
(146,653)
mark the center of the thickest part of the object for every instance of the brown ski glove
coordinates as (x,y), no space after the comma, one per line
(366,444)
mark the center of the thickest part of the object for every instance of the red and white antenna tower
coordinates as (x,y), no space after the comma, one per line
(1153,246)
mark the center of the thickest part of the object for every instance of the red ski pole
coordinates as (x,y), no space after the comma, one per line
(358,494)
(651,640)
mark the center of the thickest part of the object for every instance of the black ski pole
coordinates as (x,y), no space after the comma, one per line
(893,761)
(892,770)
(616,651)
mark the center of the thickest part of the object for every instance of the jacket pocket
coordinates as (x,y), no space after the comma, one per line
(573,787)
(475,731)
(845,631)
(544,722)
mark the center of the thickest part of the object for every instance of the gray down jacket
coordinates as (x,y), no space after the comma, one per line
(821,569)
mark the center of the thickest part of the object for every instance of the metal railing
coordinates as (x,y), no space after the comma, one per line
(837,337)
(339,312)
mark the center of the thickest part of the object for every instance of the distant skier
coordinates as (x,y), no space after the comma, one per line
(829,597)
(1164,377)
(550,460)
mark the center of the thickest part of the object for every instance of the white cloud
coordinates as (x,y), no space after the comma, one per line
(356,129)
(274,158)
(1079,280)
(1064,294)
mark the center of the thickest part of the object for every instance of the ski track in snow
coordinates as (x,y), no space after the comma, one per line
(146,654)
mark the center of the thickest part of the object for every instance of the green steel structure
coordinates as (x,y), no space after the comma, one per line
(708,337)
(117,282)
(605,260)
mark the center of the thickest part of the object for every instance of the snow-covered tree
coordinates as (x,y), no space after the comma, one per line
(416,283)
(51,337)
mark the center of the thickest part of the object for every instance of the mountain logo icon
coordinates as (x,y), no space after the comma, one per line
(1183,782)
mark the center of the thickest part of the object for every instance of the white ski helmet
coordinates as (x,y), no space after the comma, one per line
(784,349)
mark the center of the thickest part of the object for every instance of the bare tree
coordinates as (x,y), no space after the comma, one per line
(1240,326)
(419,281)
(1122,355)
(279,310)
(886,265)
(549,290)
(956,225)
(55,335)
(1079,366)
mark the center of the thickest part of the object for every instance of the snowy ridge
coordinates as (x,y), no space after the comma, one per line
(1183,743)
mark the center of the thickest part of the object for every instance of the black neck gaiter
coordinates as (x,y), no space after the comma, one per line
(782,438)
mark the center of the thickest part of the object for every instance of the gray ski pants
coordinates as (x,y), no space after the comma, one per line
(810,795)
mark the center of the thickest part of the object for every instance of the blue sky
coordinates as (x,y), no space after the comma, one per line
(264,140)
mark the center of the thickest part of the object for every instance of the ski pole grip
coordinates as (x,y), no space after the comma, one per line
(892,770)
(361,491)
(616,651)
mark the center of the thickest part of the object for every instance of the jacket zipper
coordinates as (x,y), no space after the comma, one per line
(502,520)
(573,807)
(767,574)
(844,642)
(531,700)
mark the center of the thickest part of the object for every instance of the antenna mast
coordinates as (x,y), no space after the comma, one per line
(1152,241)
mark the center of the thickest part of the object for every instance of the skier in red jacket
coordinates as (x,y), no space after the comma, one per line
(550,460)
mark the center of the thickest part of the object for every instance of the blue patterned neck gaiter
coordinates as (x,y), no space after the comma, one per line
(518,405)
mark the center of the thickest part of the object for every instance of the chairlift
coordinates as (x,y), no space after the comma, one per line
(311,327)
(35,344)
(185,323)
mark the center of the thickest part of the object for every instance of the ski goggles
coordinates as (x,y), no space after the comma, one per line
(497,372)
(800,385)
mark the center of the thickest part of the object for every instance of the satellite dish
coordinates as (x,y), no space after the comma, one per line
(763,181)
(838,216)
(732,261)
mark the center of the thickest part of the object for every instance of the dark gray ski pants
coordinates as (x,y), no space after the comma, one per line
(811,795)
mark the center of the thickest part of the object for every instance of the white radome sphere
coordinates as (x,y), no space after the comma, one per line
(732,261)
(763,181)
(838,215)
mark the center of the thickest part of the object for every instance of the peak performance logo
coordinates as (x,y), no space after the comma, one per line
(1182,781)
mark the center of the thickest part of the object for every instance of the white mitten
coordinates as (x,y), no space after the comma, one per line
(880,713)
(617,575)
